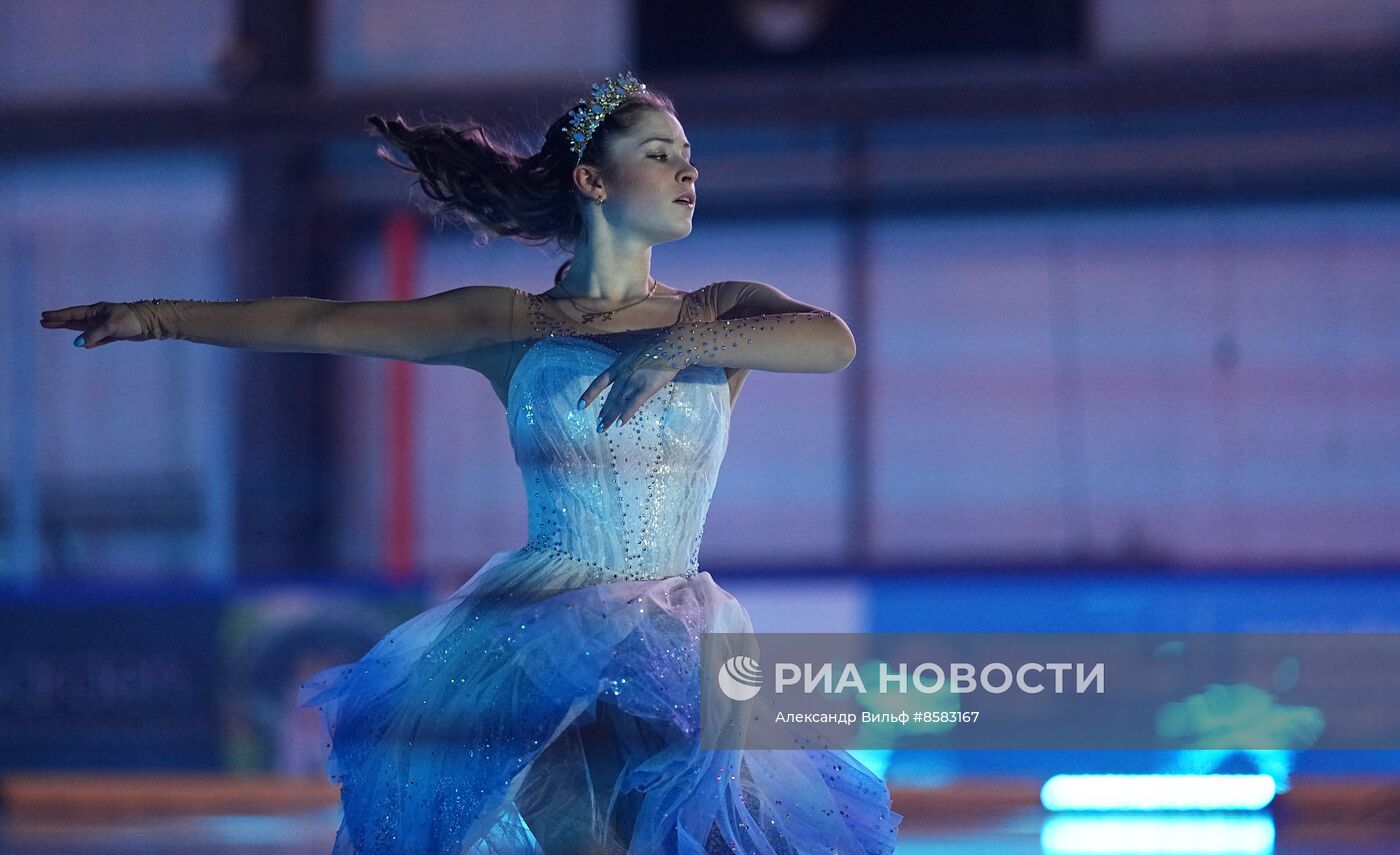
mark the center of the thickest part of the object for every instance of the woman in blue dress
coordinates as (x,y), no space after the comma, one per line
(552,704)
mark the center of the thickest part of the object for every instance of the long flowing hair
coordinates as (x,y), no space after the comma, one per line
(478,178)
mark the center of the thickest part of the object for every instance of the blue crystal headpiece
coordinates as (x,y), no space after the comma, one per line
(589,114)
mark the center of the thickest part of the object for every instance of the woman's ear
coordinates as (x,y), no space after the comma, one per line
(588,180)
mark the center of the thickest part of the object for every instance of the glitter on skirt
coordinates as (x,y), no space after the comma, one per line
(489,705)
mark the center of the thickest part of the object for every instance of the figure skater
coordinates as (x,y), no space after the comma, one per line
(552,703)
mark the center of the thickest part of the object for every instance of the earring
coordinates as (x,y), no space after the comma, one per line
(599,200)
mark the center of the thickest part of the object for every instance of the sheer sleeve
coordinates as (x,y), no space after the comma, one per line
(707,308)
(706,305)
(517,338)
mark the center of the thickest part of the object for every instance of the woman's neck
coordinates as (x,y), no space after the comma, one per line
(608,275)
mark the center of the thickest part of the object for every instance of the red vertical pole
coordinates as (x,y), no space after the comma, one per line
(401,254)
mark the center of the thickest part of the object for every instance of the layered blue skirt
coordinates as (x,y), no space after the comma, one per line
(575,712)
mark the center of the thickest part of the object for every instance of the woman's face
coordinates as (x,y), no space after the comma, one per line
(647,170)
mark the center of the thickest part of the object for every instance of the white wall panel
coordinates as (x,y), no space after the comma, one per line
(1142,28)
(446,41)
(968,456)
(1212,386)
(71,49)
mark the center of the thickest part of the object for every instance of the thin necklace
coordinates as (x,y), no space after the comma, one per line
(606,315)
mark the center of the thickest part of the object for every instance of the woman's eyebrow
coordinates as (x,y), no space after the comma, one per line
(663,139)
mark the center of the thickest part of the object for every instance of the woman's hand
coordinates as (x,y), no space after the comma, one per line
(101,323)
(639,372)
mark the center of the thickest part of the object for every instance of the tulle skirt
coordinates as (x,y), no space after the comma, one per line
(520,707)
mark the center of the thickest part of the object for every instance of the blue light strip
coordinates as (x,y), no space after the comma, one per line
(1236,833)
(1157,792)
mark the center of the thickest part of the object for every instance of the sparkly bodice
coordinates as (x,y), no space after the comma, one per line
(630,502)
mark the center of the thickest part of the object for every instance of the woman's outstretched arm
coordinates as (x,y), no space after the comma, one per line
(760,327)
(437,329)
(757,326)
(428,329)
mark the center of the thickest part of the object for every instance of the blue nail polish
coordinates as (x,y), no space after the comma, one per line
(600,424)
(80,341)
(580,403)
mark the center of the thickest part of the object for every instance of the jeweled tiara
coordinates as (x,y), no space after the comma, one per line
(588,115)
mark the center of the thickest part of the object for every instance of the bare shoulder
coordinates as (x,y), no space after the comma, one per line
(489,310)
(741,298)
(482,298)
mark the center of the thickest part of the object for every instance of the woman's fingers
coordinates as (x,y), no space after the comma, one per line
(636,404)
(624,405)
(637,400)
(100,323)
(598,385)
(616,403)
(609,410)
(611,407)
(73,318)
(632,386)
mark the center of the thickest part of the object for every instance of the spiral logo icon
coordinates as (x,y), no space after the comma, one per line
(739,678)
